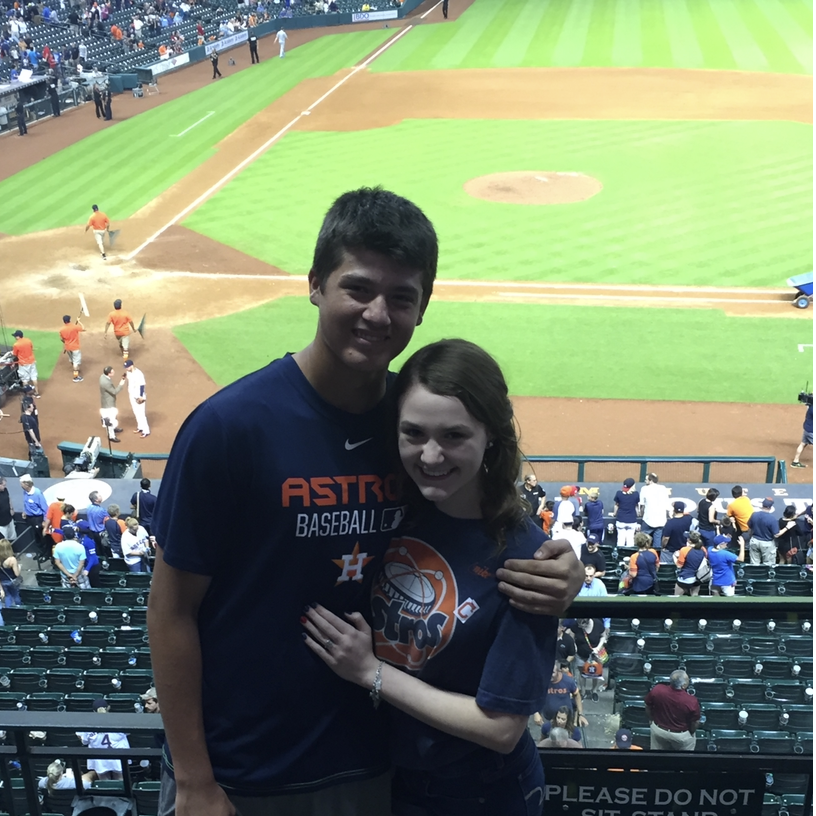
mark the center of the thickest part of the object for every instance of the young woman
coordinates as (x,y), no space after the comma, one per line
(688,561)
(135,546)
(643,567)
(9,574)
(563,719)
(707,516)
(590,642)
(627,500)
(461,668)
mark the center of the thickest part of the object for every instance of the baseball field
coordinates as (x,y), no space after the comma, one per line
(621,189)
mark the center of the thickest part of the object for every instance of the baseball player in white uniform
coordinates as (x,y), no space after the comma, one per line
(282,37)
(138,399)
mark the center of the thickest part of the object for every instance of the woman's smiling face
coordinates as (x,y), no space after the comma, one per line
(442,448)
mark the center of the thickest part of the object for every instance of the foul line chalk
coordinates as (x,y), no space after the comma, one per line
(187,130)
(430,10)
(263,148)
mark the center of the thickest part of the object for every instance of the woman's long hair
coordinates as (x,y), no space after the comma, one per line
(6,550)
(458,368)
(54,773)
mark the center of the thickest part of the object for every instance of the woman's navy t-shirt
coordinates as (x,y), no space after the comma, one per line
(627,506)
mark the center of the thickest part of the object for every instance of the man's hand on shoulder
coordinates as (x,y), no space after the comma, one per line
(545,584)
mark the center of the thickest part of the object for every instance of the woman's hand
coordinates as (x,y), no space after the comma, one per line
(583,722)
(343,645)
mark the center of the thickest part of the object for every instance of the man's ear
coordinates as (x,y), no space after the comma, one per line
(314,286)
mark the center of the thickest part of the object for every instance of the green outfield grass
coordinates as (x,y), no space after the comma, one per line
(47,349)
(696,203)
(125,167)
(744,35)
(556,351)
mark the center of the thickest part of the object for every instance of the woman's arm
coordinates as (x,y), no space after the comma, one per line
(346,648)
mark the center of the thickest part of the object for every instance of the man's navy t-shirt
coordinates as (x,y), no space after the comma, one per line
(594,514)
(276,718)
(763,526)
(146,505)
(627,506)
(674,538)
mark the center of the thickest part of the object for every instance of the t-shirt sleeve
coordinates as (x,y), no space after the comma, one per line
(200,450)
(522,641)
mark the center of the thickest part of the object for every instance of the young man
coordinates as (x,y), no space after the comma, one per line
(313,430)
(655,508)
(69,335)
(23,350)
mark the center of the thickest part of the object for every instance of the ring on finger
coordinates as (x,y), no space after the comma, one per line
(327,644)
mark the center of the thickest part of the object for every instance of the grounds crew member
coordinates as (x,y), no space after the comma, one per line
(123,326)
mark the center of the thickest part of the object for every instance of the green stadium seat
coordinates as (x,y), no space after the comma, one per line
(699,665)
(48,615)
(709,690)
(762,716)
(28,681)
(133,636)
(124,704)
(622,642)
(772,742)
(804,742)
(45,701)
(77,616)
(770,805)
(761,646)
(747,691)
(138,681)
(48,579)
(737,666)
(774,668)
(80,701)
(47,657)
(627,689)
(147,798)
(119,658)
(797,645)
(760,589)
(630,665)
(63,635)
(720,716)
(113,616)
(111,580)
(661,664)
(642,737)
(64,680)
(788,692)
(100,681)
(11,700)
(98,636)
(18,615)
(82,657)
(129,597)
(692,644)
(633,715)
(657,644)
(792,805)
(15,656)
(29,635)
(800,717)
(729,741)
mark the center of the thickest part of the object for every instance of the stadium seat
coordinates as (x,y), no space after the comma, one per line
(100,681)
(657,644)
(629,665)
(133,636)
(139,580)
(62,596)
(719,626)
(29,635)
(138,681)
(11,700)
(747,691)
(792,805)
(795,588)
(762,646)
(790,572)
(45,701)
(760,589)
(699,665)
(138,616)
(626,689)
(145,661)
(797,645)
(770,805)
(110,580)
(666,586)
(14,656)
(774,668)
(805,665)
(764,716)
(729,741)
(687,626)
(97,597)
(737,667)
(642,737)
(33,596)
(754,627)
(129,597)
(791,692)
(692,644)
(781,784)
(147,797)
(804,742)
(47,657)
(48,579)
(112,615)
(787,628)
(720,716)
(118,657)
(77,616)
(80,701)
(125,704)
(82,657)
(18,615)
(726,644)
(754,572)
(64,680)
(772,742)
(800,717)
(660,664)
(99,636)
(709,690)
(633,715)
(28,681)
(48,615)
(63,635)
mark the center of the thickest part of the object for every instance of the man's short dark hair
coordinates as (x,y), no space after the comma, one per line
(94,207)
(736,491)
(117,304)
(375,219)
(107,369)
(66,318)
(145,484)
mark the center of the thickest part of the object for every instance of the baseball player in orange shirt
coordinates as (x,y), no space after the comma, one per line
(100,224)
(122,324)
(23,350)
(70,341)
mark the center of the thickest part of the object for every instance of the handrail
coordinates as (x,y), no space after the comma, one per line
(747,608)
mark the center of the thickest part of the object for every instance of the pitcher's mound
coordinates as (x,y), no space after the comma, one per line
(534,187)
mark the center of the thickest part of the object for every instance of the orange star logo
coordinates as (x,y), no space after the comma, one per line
(352,565)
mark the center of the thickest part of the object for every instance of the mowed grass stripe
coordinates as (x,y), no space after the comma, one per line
(231,346)
(521,34)
(571,43)
(129,176)
(468,31)
(601,34)
(779,16)
(656,48)
(540,51)
(780,58)
(747,53)
(485,48)
(682,37)
(627,47)
(802,12)
(712,41)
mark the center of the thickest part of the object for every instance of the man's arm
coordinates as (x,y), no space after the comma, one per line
(545,584)
(172,620)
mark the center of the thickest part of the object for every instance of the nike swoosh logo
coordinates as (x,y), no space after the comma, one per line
(353,445)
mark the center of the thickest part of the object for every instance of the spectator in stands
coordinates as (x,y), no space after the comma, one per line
(92,566)
(787,545)
(10,580)
(150,701)
(627,500)
(547,516)
(591,635)
(594,512)
(96,516)
(135,546)
(535,496)
(562,692)
(142,504)
(7,529)
(675,533)
(69,559)
(68,519)
(674,714)
(764,532)
(807,435)
(740,510)
(104,768)
(643,567)
(592,587)
(655,509)
(688,561)
(564,718)
(34,509)
(59,777)
(114,527)
(707,516)
(591,555)
(559,738)
(623,741)
(723,578)
(53,521)
(575,537)
(565,650)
